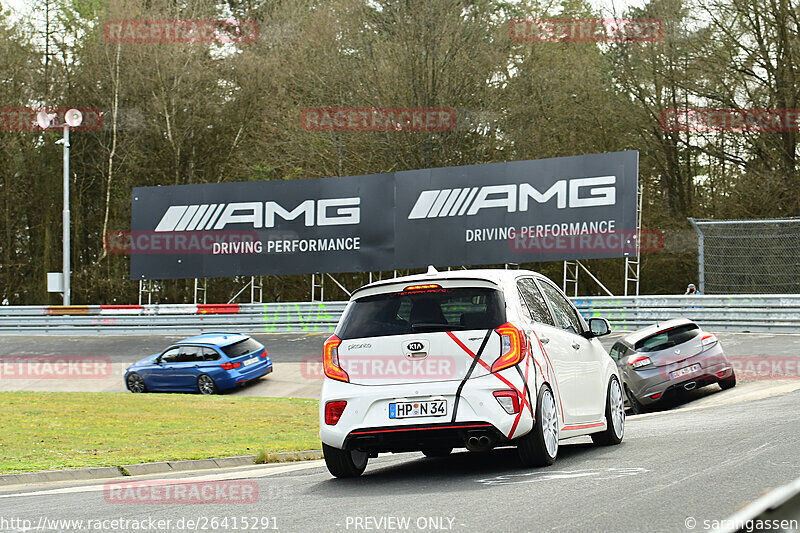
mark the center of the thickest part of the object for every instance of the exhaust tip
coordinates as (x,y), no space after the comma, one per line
(480,443)
(690,386)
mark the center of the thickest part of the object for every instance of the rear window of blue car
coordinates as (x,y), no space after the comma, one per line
(243,347)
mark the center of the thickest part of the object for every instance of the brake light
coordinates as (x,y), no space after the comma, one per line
(264,354)
(513,347)
(333,412)
(230,366)
(330,360)
(639,362)
(422,287)
(708,340)
(508,400)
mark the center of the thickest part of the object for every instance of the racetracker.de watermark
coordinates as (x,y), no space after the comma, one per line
(754,368)
(142,524)
(591,30)
(176,242)
(706,120)
(532,241)
(746,368)
(180,31)
(55,367)
(170,492)
(380,367)
(398,119)
(24,119)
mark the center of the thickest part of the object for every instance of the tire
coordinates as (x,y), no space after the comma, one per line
(540,446)
(206,385)
(615,416)
(636,407)
(344,463)
(135,383)
(728,383)
(437,452)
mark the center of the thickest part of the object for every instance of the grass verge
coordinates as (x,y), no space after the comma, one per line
(53,430)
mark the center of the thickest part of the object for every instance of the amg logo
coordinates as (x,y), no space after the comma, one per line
(327,212)
(470,200)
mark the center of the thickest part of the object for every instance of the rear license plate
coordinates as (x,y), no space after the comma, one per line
(251,361)
(684,371)
(418,409)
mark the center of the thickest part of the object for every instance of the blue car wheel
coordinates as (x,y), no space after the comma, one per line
(206,384)
(136,383)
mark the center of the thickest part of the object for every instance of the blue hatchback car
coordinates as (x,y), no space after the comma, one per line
(207,363)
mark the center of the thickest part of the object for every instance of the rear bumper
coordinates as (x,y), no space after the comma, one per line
(645,385)
(233,378)
(365,420)
(420,436)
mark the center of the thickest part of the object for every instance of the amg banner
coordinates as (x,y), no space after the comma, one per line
(578,207)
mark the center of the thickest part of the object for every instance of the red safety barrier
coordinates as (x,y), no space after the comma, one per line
(217,309)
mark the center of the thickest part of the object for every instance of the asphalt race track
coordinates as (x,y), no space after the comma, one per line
(674,469)
(296,356)
(296,347)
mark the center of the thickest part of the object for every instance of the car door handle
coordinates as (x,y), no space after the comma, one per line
(576,345)
(544,340)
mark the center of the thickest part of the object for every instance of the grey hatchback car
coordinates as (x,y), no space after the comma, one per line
(667,357)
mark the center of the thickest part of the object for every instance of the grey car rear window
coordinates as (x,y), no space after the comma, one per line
(407,312)
(667,339)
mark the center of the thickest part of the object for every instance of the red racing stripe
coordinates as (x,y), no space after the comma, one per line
(421,429)
(498,376)
(581,426)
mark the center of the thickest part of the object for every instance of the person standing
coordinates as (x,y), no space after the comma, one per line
(691,289)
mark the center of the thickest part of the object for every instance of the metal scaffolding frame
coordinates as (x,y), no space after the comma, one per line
(632,263)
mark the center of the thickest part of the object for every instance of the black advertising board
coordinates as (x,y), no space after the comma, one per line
(576,207)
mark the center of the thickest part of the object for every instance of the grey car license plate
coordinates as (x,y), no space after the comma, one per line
(691,369)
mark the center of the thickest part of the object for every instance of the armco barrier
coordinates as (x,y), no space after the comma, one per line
(742,313)
(754,313)
(176,319)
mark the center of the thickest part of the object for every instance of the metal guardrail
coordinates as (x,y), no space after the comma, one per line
(736,313)
(753,313)
(176,319)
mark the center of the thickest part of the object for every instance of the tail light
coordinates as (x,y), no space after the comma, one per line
(639,362)
(513,347)
(330,360)
(708,340)
(333,412)
(264,354)
(508,400)
(230,366)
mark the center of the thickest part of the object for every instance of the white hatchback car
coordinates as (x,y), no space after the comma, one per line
(468,358)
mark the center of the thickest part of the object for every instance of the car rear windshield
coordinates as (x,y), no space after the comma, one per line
(666,339)
(240,348)
(415,311)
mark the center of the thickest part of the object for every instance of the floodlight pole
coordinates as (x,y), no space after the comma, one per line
(65,219)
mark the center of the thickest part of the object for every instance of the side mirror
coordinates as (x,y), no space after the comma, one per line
(598,327)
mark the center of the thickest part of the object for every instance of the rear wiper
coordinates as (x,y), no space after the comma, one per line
(426,326)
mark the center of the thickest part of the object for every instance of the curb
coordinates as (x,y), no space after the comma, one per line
(161,467)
